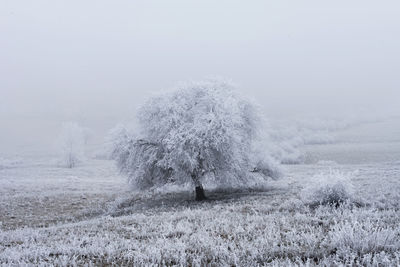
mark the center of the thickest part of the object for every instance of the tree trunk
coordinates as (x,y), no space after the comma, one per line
(200,193)
(198,187)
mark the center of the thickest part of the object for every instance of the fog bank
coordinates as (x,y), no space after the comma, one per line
(95,61)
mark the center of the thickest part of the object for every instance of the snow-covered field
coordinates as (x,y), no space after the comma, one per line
(50,215)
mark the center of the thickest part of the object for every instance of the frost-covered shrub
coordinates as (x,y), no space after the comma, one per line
(333,188)
(200,129)
(72,144)
(117,142)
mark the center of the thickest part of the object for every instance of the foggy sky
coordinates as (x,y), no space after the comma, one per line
(95,61)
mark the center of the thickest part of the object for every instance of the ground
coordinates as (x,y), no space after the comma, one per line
(88,215)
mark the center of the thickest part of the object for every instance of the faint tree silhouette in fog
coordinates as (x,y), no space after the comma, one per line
(72,142)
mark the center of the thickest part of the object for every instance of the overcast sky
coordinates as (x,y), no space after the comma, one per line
(94,61)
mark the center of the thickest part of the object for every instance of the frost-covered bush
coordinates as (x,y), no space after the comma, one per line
(200,129)
(117,142)
(333,188)
(72,144)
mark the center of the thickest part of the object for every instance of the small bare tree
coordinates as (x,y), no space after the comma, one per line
(200,128)
(72,142)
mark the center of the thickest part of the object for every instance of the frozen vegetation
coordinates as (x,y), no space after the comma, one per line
(200,131)
(71,144)
(52,215)
(332,189)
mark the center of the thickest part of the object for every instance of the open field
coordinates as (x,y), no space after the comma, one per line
(87,215)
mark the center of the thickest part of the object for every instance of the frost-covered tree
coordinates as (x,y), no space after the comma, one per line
(116,140)
(72,142)
(201,129)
